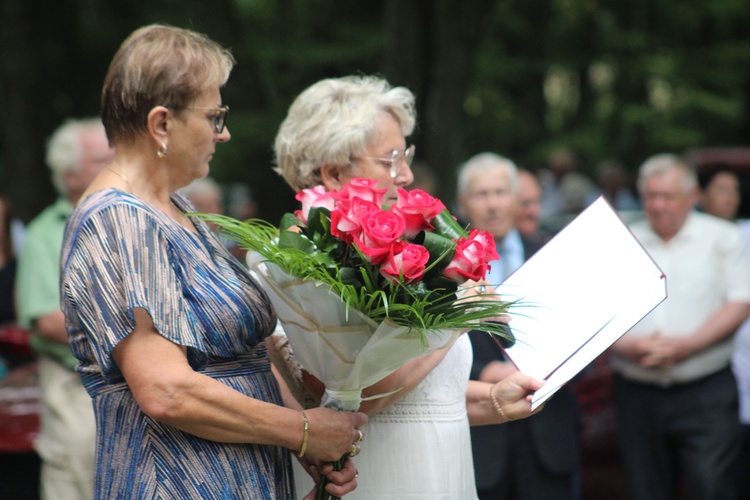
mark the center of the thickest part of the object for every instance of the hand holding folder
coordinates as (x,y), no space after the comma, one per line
(577,295)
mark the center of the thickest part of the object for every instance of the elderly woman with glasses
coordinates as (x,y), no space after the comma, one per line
(169,329)
(418,442)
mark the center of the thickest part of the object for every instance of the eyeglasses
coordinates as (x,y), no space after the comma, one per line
(219,118)
(394,162)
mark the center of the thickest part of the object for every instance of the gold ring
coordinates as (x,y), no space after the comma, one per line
(355,450)
(360,438)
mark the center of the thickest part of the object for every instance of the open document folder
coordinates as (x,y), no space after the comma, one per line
(577,295)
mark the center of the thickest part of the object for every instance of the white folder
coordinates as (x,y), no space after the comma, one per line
(577,295)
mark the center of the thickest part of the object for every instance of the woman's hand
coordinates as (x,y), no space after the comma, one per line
(513,395)
(333,434)
(482,290)
(339,482)
(475,289)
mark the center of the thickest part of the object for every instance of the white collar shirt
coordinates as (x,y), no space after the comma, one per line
(706,267)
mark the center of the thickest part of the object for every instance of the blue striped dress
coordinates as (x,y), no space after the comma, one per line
(120,253)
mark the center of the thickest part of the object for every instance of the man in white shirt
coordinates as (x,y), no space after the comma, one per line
(675,394)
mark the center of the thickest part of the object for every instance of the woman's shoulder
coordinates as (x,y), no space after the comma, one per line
(108,197)
(109,202)
(108,211)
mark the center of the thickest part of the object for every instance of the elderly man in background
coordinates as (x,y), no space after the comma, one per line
(528,213)
(537,457)
(675,394)
(76,152)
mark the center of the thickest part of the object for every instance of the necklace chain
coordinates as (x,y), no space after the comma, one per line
(181,217)
(118,174)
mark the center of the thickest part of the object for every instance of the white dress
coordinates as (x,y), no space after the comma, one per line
(420,447)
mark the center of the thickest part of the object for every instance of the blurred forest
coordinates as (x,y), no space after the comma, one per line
(609,78)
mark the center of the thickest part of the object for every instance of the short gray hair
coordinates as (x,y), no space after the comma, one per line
(661,164)
(484,162)
(64,149)
(332,121)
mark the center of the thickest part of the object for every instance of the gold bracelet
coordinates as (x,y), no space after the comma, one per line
(305,435)
(497,406)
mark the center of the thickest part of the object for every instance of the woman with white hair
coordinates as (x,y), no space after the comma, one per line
(418,443)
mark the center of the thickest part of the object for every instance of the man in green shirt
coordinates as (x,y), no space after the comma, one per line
(76,153)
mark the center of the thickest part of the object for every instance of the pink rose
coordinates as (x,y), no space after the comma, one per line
(418,209)
(346,218)
(380,230)
(487,241)
(407,260)
(365,189)
(469,262)
(313,197)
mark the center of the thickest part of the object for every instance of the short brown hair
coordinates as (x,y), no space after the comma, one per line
(159,65)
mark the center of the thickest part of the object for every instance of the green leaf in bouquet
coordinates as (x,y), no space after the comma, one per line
(288,221)
(292,239)
(369,277)
(446,225)
(414,291)
(351,276)
(440,248)
(325,260)
(441,283)
(319,221)
(420,293)
(328,244)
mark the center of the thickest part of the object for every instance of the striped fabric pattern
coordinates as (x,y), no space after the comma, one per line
(120,253)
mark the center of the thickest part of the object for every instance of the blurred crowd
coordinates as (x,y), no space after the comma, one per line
(682,377)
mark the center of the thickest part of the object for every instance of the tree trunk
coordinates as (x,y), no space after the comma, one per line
(33,41)
(430,49)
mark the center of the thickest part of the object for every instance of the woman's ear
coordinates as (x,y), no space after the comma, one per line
(334,177)
(158,123)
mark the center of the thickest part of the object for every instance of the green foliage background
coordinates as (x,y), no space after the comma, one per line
(609,78)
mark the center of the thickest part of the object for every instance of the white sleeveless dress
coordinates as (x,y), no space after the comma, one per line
(420,447)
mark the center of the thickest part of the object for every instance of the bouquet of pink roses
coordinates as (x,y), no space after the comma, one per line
(361,289)
(403,264)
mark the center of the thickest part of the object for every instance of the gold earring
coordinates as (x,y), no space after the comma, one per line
(162,151)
